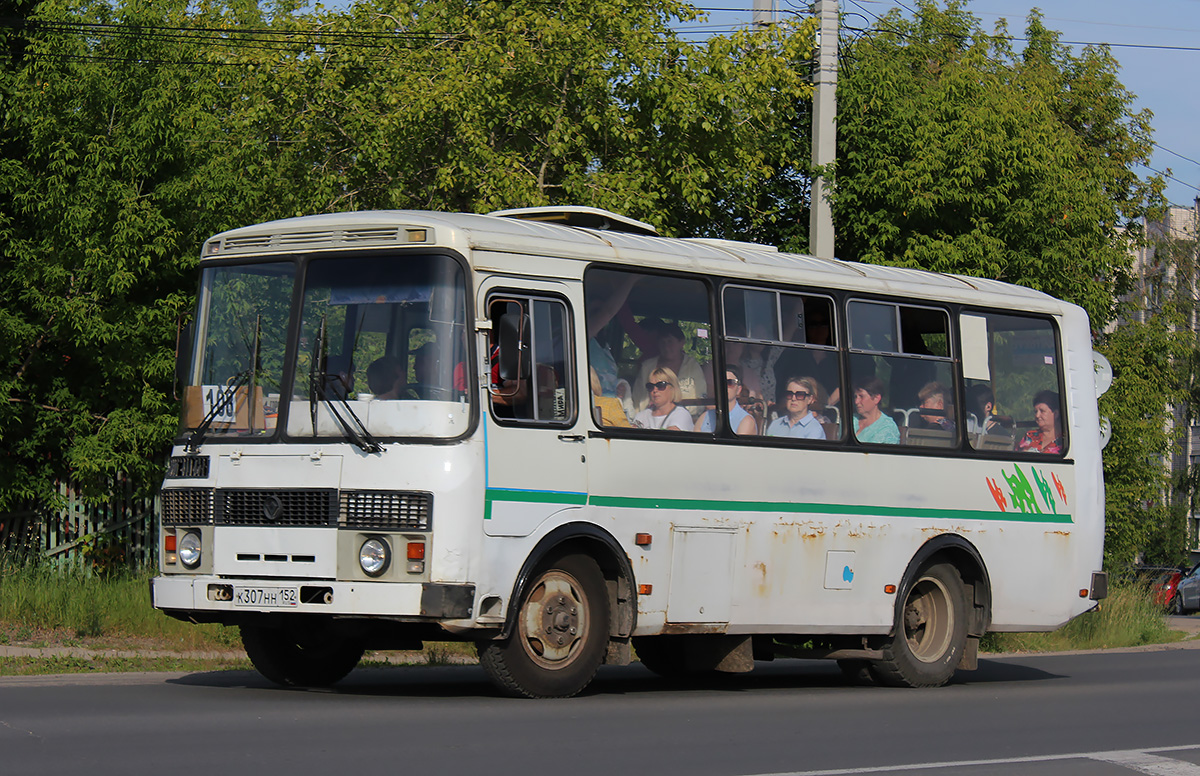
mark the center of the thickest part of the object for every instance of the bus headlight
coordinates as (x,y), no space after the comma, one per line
(374,557)
(189,550)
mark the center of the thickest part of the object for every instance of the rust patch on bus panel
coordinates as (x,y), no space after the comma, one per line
(692,628)
(1066,534)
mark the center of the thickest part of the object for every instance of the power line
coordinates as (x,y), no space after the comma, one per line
(1181,156)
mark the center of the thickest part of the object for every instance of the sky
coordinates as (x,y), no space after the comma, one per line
(1157,43)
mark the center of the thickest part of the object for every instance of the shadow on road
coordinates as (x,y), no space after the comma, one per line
(470,681)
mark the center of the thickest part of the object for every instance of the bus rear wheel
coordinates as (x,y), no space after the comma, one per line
(560,634)
(294,657)
(930,635)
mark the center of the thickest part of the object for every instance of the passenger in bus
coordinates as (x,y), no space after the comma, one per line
(981,403)
(427,382)
(748,357)
(870,423)
(385,377)
(932,397)
(661,410)
(1046,437)
(820,365)
(741,421)
(800,421)
(607,410)
(691,381)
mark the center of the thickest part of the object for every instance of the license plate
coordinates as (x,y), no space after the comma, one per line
(276,597)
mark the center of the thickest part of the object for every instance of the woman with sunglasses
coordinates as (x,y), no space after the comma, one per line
(661,410)
(742,422)
(799,422)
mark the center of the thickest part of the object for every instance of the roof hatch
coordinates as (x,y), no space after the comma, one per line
(584,217)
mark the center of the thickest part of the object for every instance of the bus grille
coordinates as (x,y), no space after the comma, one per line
(187,506)
(276,507)
(383,510)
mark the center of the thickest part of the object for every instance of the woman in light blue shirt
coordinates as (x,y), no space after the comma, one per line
(870,424)
(799,422)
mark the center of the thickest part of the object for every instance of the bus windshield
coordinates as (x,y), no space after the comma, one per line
(381,350)
(240,344)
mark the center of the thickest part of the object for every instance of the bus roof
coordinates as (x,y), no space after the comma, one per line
(496,241)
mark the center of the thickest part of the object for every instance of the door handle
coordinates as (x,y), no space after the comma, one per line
(571,437)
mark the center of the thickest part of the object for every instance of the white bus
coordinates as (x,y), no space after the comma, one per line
(564,438)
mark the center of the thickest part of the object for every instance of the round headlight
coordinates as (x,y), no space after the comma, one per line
(374,557)
(189,550)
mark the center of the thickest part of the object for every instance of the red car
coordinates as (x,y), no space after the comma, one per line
(1164,585)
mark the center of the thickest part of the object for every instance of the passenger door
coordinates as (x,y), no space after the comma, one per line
(536,465)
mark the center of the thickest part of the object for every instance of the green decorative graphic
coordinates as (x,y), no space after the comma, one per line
(1047,493)
(1021,495)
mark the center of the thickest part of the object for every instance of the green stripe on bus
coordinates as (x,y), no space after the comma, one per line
(530,497)
(828,509)
(626,502)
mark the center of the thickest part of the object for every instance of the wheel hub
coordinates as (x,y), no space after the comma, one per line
(554,620)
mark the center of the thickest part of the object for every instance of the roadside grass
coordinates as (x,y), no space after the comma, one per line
(43,607)
(43,604)
(1127,618)
(104,664)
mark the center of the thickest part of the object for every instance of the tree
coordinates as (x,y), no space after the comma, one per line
(956,154)
(959,154)
(100,216)
(473,106)
(143,126)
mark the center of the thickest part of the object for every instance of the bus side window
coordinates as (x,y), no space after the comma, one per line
(1010,364)
(531,375)
(649,348)
(902,375)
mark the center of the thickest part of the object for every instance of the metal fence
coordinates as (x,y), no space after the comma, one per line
(88,537)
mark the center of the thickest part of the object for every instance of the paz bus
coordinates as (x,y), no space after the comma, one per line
(569,440)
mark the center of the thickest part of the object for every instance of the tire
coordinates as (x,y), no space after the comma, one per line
(560,634)
(931,631)
(313,657)
(664,655)
(1177,605)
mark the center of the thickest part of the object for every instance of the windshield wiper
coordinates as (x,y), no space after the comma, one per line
(356,433)
(218,408)
(318,379)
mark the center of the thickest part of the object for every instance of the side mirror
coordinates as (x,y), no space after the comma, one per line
(183,356)
(514,345)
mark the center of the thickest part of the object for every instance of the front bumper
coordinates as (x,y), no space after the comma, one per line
(210,594)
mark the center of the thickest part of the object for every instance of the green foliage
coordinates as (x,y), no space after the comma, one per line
(1145,358)
(957,154)
(122,152)
(44,599)
(1127,618)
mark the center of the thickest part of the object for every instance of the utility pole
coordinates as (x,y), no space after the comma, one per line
(762,14)
(824,128)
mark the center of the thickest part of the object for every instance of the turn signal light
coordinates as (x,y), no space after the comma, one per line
(889,589)
(416,550)
(169,542)
(645,589)
(642,540)
(1083,593)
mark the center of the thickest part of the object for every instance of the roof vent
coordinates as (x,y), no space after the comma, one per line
(583,217)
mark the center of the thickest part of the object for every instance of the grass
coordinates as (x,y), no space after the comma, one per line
(46,608)
(1127,618)
(42,603)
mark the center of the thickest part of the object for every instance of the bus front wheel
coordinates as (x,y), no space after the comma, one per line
(560,634)
(312,657)
(931,632)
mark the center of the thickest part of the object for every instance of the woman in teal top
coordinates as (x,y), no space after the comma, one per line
(870,424)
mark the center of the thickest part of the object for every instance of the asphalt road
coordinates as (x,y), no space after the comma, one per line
(1096,713)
